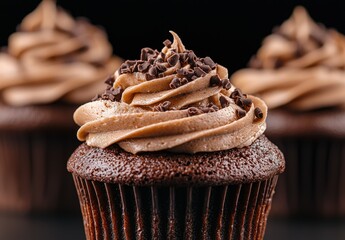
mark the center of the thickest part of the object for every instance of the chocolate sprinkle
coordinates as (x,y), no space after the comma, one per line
(192,111)
(205,68)
(149,77)
(143,67)
(199,72)
(240,113)
(236,93)
(153,71)
(167,43)
(110,80)
(175,83)
(184,81)
(258,113)
(154,64)
(161,67)
(215,81)
(226,84)
(162,107)
(208,61)
(224,102)
(112,94)
(244,103)
(173,59)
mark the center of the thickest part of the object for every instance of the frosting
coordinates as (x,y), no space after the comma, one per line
(171,100)
(300,66)
(54,57)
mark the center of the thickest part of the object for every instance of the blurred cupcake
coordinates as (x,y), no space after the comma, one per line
(52,64)
(177,154)
(299,72)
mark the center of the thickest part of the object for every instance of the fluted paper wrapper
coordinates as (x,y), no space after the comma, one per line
(313,184)
(116,211)
(33,176)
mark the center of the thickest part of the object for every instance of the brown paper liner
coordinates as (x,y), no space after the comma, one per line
(115,211)
(313,184)
(33,176)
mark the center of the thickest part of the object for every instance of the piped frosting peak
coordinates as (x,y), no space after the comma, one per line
(171,100)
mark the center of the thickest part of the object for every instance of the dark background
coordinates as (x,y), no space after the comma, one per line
(228,31)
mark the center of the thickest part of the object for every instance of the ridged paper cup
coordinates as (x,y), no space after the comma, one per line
(116,211)
(313,144)
(34,150)
(313,183)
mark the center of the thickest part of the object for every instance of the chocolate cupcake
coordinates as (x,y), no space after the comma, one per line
(299,73)
(52,64)
(173,151)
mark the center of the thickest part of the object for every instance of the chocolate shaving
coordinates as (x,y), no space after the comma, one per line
(183,57)
(199,72)
(158,60)
(149,77)
(124,68)
(244,103)
(175,83)
(215,81)
(236,93)
(143,67)
(184,81)
(110,80)
(240,113)
(258,113)
(147,53)
(112,94)
(206,68)
(182,72)
(226,84)
(190,72)
(192,111)
(208,61)
(161,67)
(167,43)
(153,71)
(173,59)
(224,102)
(191,57)
(162,107)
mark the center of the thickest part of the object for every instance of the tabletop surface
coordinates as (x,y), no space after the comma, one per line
(24,227)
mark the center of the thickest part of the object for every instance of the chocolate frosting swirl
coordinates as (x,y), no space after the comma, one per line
(172,100)
(54,57)
(300,66)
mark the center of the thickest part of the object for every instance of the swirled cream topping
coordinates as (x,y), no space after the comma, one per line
(54,57)
(300,66)
(171,100)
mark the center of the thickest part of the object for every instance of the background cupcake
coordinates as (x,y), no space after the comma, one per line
(52,63)
(177,153)
(299,72)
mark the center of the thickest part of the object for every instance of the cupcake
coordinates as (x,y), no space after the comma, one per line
(52,64)
(299,72)
(178,153)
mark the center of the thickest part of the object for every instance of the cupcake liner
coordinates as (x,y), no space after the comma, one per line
(33,176)
(116,211)
(313,182)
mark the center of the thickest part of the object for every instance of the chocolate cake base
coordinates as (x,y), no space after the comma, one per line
(314,148)
(35,143)
(162,195)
